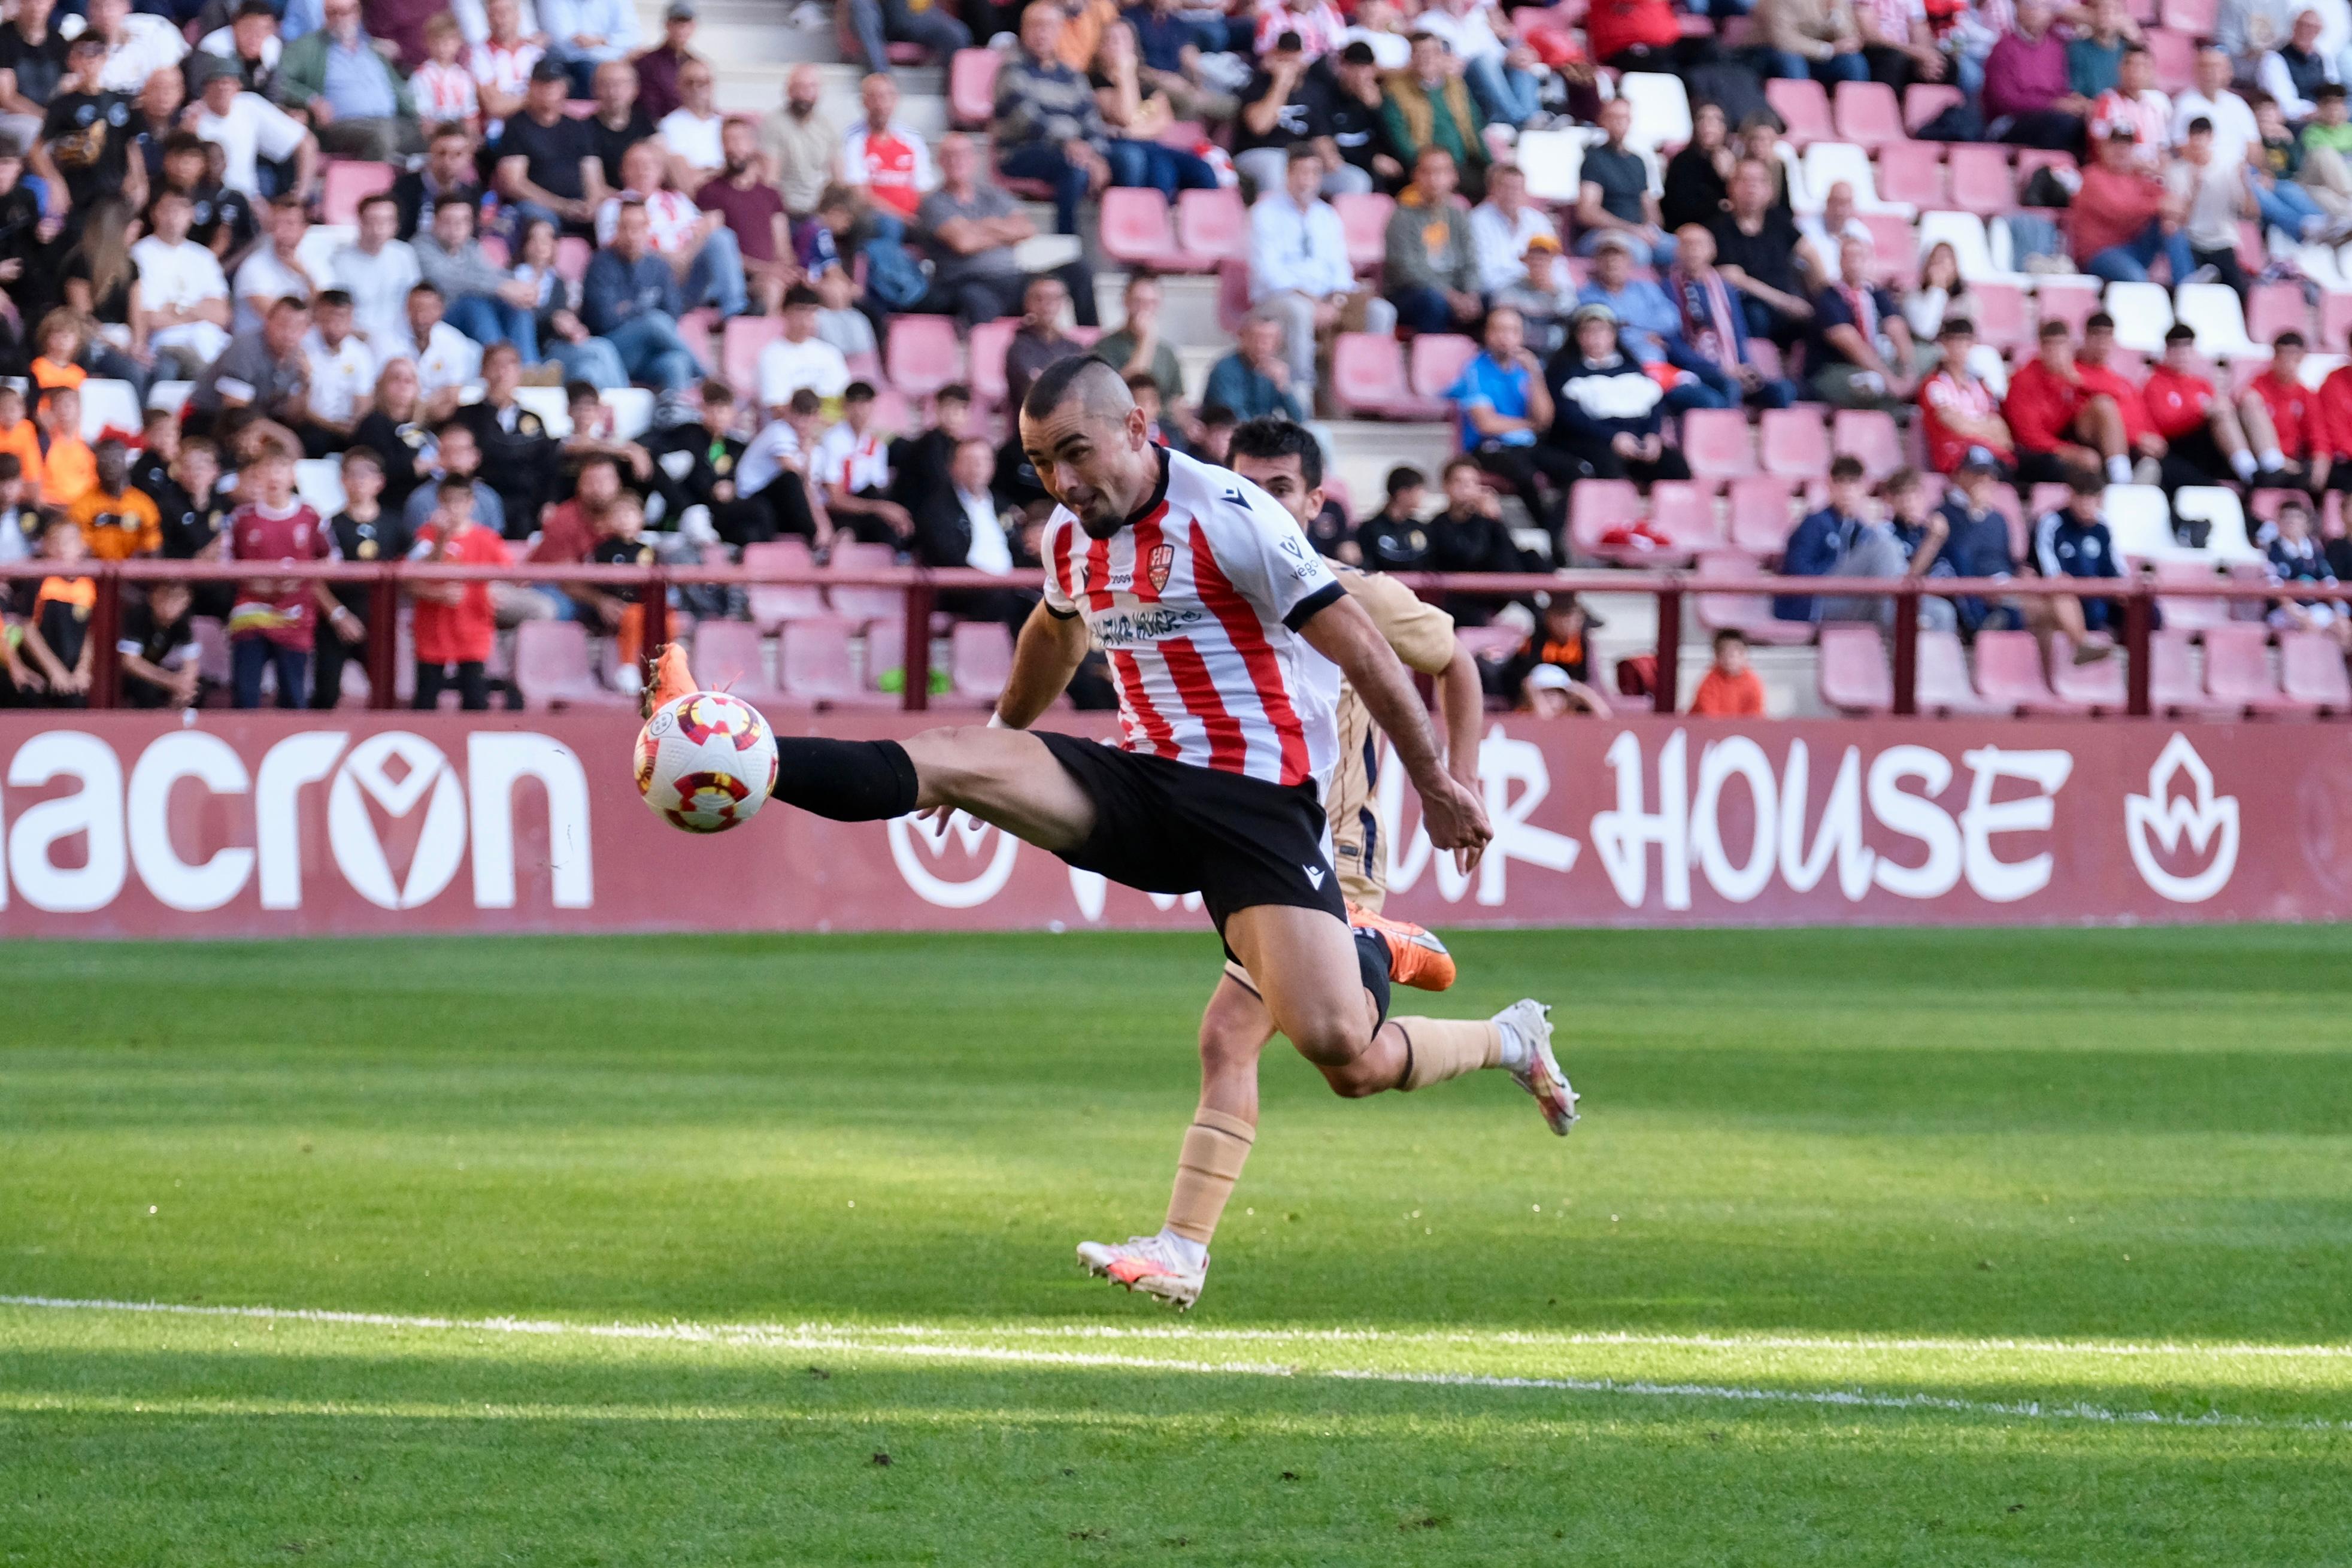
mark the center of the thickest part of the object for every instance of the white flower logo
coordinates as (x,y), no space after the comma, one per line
(2209,822)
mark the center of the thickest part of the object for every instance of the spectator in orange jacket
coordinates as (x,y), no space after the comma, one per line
(2059,427)
(1730,689)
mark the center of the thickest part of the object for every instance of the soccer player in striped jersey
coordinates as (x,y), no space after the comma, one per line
(1284,459)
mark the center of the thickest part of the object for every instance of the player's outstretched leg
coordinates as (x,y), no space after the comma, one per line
(1518,1040)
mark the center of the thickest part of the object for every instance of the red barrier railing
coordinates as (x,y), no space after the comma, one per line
(922,586)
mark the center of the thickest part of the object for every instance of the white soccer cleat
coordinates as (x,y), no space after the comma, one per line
(1146,1263)
(1540,1075)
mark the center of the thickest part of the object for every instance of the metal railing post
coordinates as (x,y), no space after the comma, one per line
(384,640)
(918,657)
(2138,618)
(653,618)
(1669,650)
(105,626)
(1906,654)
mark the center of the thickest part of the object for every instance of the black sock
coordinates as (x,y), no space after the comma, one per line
(849,780)
(1372,958)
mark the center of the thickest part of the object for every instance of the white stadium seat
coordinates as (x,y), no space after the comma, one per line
(2140,523)
(2213,308)
(548,402)
(319,482)
(1964,233)
(105,402)
(1553,161)
(632,411)
(2227,537)
(2143,313)
(170,396)
(1829,162)
(1662,115)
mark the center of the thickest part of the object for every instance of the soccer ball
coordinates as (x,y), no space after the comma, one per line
(705,761)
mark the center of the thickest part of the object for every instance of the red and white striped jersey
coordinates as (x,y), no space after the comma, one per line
(1195,601)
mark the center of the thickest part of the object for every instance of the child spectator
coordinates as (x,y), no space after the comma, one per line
(1550,692)
(1392,539)
(852,463)
(116,521)
(1730,689)
(157,648)
(454,624)
(2296,556)
(443,88)
(272,622)
(621,543)
(56,634)
(19,439)
(70,465)
(364,530)
(2074,542)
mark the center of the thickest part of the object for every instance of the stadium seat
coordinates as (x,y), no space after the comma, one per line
(1437,361)
(1364,219)
(1553,161)
(2335,316)
(2238,673)
(1828,163)
(2099,686)
(1683,510)
(1794,443)
(971,87)
(2311,669)
(2173,689)
(553,668)
(633,411)
(2072,303)
(319,481)
(1368,378)
(1867,114)
(2140,523)
(1763,514)
(2174,55)
(2321,264)
(739,351)
(773,603)
(2001,316)
(2143,313)
(858,601)
(1869,435)
(1942,684)
(814,664)
(1803,107)
(170,396)
(2272,309)
(1911,173)
(1981,183)
(1212,226)
(921,355)
(1964,233)
(573,255)
(729,656)
(1716,443)
(2211,308)
(1852,673)
(987,347)
(108,403)
(1894,249)
(2009,675)
(1749,611)
(1662,116)
(2227,536)
(2195,17)
(1597,505)
(2031,161)
(1136,230)
(1923,100)
(980,660)
(2189,610)
(345,182)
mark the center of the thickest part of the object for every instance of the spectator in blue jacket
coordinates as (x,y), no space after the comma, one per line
(1823,538)
(632,302)
(1253,380)
(2074,542)
(1976,542)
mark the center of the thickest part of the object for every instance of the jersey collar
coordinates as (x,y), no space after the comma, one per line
(1152,502)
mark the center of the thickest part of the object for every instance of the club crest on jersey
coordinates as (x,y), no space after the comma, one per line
(1163,556)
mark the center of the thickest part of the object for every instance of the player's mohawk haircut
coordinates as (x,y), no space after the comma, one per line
(1096,387)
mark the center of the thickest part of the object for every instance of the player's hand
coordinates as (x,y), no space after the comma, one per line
(1454,818)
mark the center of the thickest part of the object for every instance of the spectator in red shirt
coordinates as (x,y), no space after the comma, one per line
(273,620)
(2123,218)
(2100,378)
(568,531)
(454,622)
(2293,410)
(2335,421)
(2059,426)
(2200,427)
(1957,410)
(1730,689)
(1641,36)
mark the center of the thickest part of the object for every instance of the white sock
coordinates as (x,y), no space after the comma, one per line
(2274,459)
(1514,1046)
(1185,1249)
(2242,463)
(2118,470)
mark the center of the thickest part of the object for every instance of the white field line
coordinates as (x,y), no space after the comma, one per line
(919,1343)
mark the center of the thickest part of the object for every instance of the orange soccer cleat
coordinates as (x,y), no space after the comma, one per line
(672,679)
(1416,957)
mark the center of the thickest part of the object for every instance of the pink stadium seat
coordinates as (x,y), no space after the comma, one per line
(2275,308)
(1212,226)
(2009,674)
(1367,378)
(2072,303)
(971,87)
(1853,671)
(1716,443)
(980,660)
(2174,55)
(813,664)
(1869,435)
(739,346)
(2238,672)
(857,602)
(2190,611)
(772,604)
(552,669)
(2032,159)
(2099,686)
(1803,107)
(1437,361)
(1867,114)
(1364,219)
(1999,314)
(2335,319)
(1911,171)
(1981,183)
(1683,510)
(1942,684)
(1136,230)
(1923,100)
(2194,17)
(1597,505)
(1750,611)
(2311,669)
(1794,442)
(346,182)
(987,347)
(572,256)
(1894,249)
(2013,511)
(2172,684)
(1763,514)
(494,250)
(729,657)
(922,355)
(2046,498)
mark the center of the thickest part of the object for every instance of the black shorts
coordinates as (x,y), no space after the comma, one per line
(1172,827)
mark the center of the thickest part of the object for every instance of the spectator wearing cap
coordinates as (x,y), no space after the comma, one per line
(799,358)
(249,129)
(1614,192)
(377,270)
(501,61)
(137,47)
(1253,380)
(1607,411)
(1815,38)
(1651,328)
(356,103)
(1543,297)
(2125,218)
(878,24)
(968,227)
(1431,270)
(1426,105)
(582,35)
(631,300)
(1959,413)
(249,42)
(32,64)
(1862,344)
(547,162)
(1299,269)
(2027,99)
(1047,125)
(1292,102)
(1503,227)
(658,67)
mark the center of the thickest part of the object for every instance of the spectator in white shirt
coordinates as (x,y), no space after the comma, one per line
(1502,226)
(342,367)
(250,42)
(800,358)
(691,130)
(182,299)
(1299,268)
(2133,104)
(446,360)
(2210,99)
(584,34)
(2296,63)
(852,463)
(501,64)
(378,271)
(248,128)
(1824,234)
(274,271)
(137,47)
(969,470)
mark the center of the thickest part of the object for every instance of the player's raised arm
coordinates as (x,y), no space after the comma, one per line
(1344,635)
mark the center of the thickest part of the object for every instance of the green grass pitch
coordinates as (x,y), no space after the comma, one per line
(1873,1247)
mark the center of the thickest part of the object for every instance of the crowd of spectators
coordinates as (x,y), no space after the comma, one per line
(567,206)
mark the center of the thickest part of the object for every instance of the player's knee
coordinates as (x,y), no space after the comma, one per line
(1352,1080)
(1332,1041)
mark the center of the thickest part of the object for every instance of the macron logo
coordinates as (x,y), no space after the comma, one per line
(1313,876)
